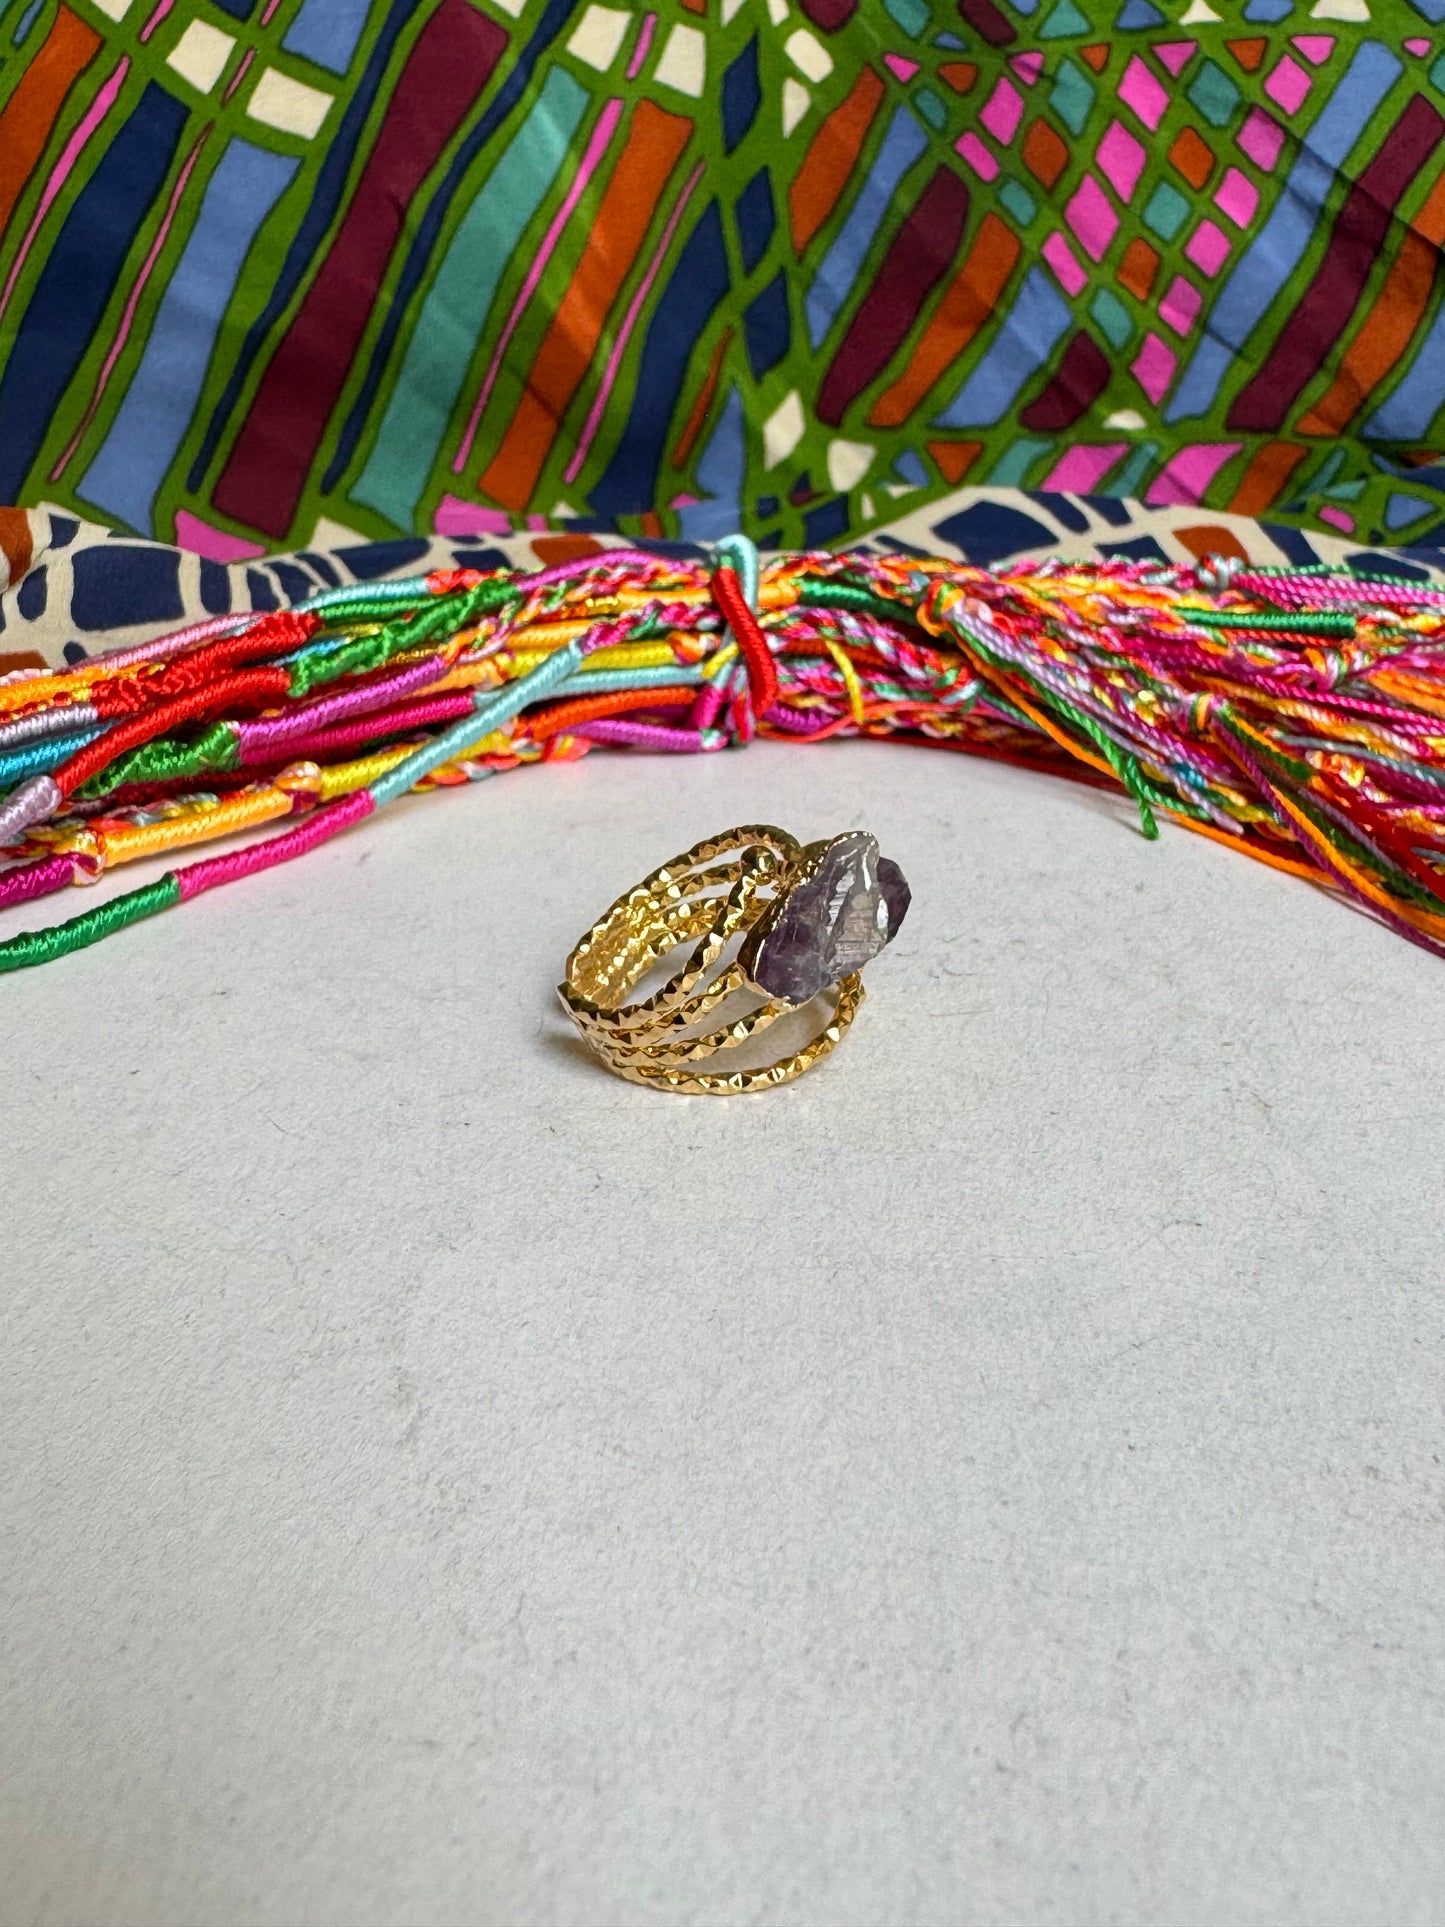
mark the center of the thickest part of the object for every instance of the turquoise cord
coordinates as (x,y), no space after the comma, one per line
(490,710)
(597,682)
(42,757)
(738,553)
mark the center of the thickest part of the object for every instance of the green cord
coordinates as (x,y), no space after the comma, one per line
(217,748)
(42,946)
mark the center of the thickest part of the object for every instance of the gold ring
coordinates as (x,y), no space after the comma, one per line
(775,927)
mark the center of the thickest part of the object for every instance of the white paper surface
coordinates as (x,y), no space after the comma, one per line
(997,1479)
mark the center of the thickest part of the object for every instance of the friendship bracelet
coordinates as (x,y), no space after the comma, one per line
(1296,715)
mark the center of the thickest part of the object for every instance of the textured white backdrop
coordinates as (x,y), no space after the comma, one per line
(998,1479)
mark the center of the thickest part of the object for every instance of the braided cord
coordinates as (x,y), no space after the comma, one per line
(1298,715)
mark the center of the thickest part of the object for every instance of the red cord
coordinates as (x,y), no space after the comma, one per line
(250,688)
(273,635)
(446,581)
(727,593)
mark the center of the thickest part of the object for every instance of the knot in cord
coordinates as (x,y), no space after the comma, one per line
(735,591)
(1216,572)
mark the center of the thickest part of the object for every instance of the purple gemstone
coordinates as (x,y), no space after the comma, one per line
(841,914)
(896,893)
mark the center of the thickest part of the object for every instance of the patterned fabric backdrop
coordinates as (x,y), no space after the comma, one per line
(290,273)
(70,589)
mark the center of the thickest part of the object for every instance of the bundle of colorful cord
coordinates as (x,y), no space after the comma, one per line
(1297,716)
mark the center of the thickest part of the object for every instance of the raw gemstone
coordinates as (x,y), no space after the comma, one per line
(896,894)
(832,922)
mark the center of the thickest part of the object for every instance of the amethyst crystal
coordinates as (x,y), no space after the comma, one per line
(847,906)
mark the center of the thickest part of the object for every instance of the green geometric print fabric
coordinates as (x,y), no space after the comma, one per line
(288,272)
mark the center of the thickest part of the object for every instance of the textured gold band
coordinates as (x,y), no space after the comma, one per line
(709,896)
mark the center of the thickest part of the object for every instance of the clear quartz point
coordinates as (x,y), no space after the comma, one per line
(842,913)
